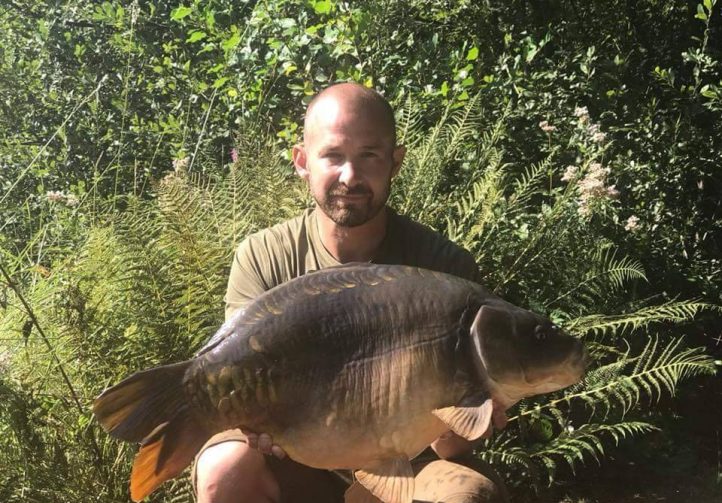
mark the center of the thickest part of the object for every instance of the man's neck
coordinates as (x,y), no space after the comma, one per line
(352,244)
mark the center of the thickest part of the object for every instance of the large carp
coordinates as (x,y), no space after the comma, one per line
(357,367)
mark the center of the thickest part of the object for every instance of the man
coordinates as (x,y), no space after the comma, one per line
(348,158)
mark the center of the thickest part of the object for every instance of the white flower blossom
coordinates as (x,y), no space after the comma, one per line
(55,196)
(632,223)
(581,112)
(570,173)
(72,200)
(546,127)
(593,188)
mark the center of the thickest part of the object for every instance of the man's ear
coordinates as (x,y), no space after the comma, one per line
(298,154)
(399,154)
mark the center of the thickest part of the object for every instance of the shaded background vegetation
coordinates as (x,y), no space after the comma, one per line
(141,140)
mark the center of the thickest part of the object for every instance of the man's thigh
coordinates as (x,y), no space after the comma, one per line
(298,483)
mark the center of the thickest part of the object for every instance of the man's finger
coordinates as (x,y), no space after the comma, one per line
(499,419)
(278,451)
(252,439)
(265,443)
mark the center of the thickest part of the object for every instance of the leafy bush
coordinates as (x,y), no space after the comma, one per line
(145,286)
(573,151)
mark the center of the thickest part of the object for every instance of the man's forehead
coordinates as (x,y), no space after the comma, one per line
(353,113)
(369,138)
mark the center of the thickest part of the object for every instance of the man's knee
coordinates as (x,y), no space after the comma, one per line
(230,472)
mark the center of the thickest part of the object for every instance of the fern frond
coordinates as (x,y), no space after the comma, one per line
(418,188)
(672,311)
(476,211)
(575,446)
(609,271)
(527,185)
(657,369)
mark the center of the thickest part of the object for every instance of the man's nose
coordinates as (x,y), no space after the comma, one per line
(349,173)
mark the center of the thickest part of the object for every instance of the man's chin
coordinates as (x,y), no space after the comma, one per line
(346,218)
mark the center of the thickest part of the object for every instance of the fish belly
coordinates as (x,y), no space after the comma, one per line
(355,446)
(378,410)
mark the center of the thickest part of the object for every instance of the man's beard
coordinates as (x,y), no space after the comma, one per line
(354,214)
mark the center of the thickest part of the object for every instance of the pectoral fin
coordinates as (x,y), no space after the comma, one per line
(392,481)
(470,422)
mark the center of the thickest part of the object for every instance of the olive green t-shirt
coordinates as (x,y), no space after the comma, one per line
(293,248)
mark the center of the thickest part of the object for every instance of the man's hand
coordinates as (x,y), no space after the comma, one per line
(264,443)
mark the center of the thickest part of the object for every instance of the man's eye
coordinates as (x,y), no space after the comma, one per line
(369,155)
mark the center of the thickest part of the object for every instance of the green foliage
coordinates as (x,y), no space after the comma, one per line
(573,151)
(145,284)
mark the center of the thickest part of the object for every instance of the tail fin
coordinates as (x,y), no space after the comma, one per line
(165,453)
(150,406)
(133,408)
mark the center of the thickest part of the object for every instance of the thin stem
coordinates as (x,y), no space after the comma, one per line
(31,314)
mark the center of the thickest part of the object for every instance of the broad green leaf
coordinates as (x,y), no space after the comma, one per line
(322,6)
(473,54)
(219,82)
(196,36)
(287,22)
(231,42)
(180,12)
(700,13)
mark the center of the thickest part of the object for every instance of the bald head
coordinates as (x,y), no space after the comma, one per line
(353,99)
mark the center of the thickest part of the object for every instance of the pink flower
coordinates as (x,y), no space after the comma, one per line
(234,155)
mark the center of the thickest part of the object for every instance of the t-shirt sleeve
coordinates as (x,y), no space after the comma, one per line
(247,279)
